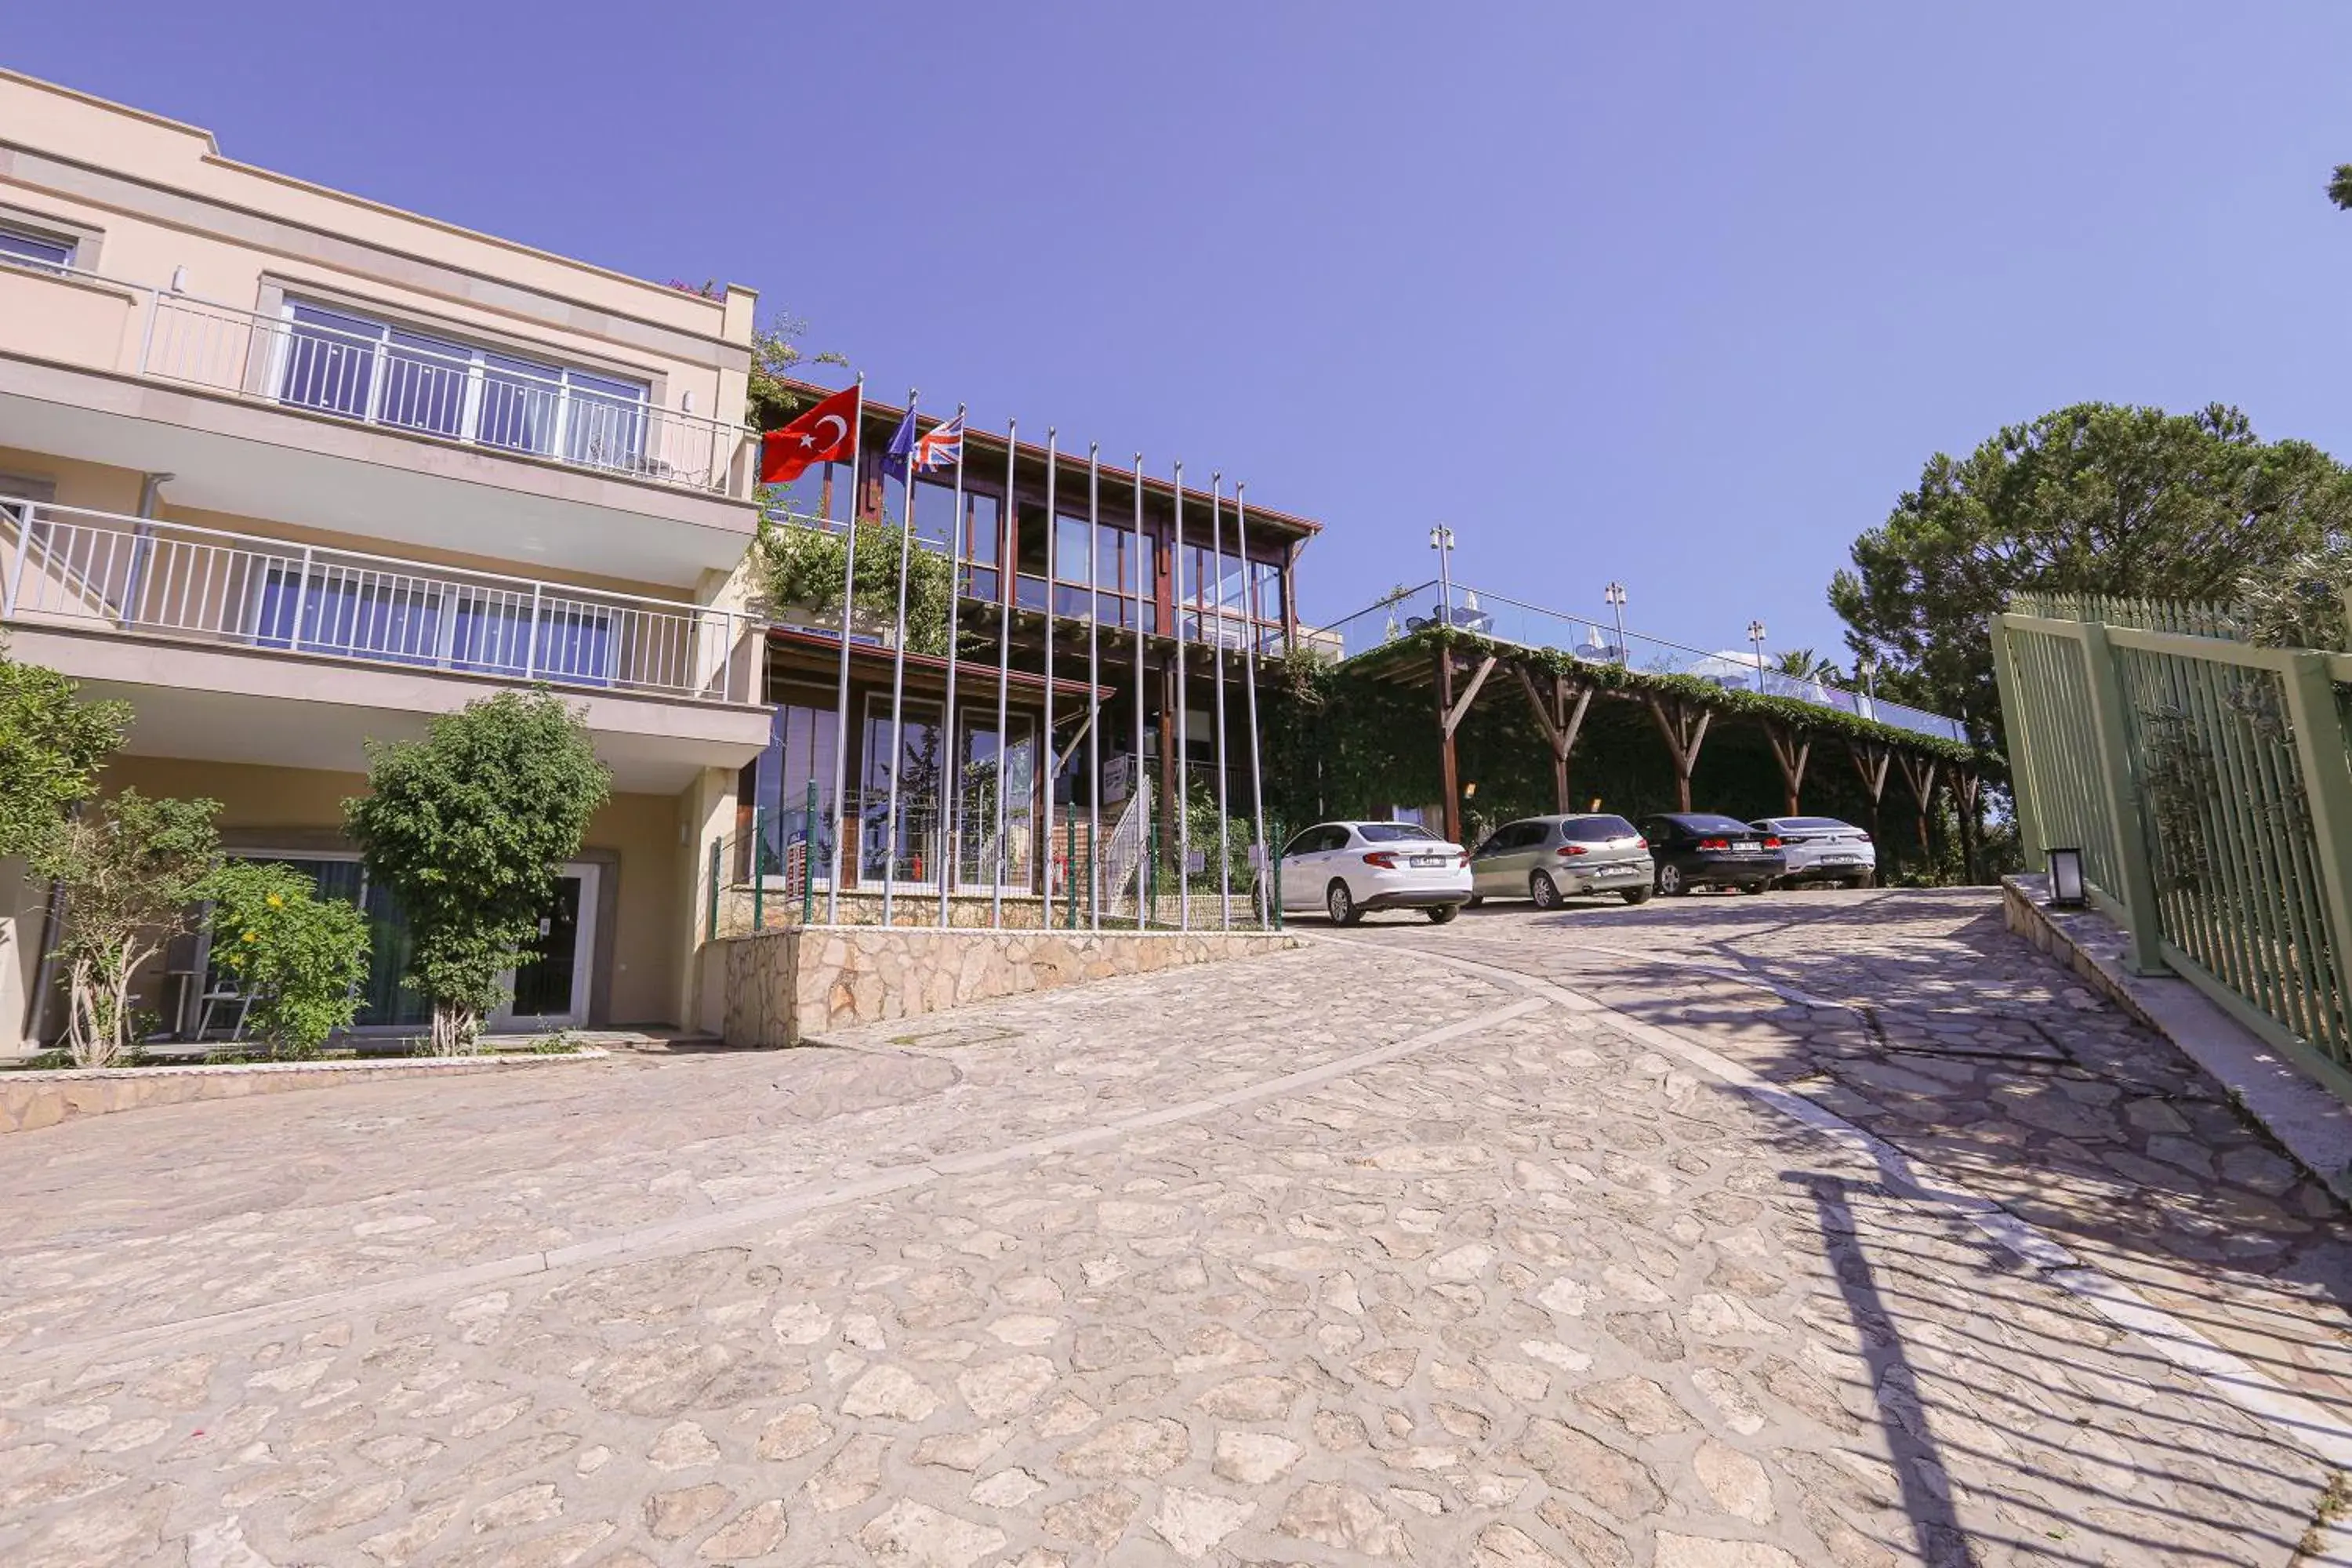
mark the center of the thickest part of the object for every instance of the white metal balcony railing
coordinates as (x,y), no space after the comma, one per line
(402,382)
(69,566)
(407,381)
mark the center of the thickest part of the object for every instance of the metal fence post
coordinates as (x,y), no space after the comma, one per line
(2026,809)
(1273,869)
(808,860)
(24,548)
(714,891)
(2121,781)
(302,598)
(530,648)
(759,872)
(2319,749)
(1069,874)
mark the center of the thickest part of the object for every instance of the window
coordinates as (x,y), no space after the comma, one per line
(1393,832)
(336,361)
(31,247)
(1595,829)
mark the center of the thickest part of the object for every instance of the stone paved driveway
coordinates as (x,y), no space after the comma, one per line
(1439,1245)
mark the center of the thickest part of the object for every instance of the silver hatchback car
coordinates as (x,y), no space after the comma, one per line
(1548,858)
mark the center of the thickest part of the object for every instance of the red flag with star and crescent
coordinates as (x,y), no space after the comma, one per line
(824,435)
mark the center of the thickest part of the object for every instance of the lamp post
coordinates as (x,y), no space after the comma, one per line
(1756,636)
(1867,668)
(1615,595)
(1441,538)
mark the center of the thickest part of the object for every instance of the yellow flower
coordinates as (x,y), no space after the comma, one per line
(275,901)
(252,936)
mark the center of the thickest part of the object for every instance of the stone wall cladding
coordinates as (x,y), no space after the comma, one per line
(31,1101)
(782,986)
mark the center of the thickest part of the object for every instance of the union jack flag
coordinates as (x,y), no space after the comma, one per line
(941,445)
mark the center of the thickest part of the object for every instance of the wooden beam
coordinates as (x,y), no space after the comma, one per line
(1683,737)
(1922,783)
(1455,715)
(1792,749)
(1448,764)
(1870,759)
(1559,722)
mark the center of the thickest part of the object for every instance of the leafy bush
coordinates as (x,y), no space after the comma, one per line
(134,869)
(799,565)
(51,747)
(469,827)
(300,957)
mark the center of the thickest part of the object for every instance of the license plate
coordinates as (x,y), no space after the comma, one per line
(1429,859)
(1619,871)
(1744,845)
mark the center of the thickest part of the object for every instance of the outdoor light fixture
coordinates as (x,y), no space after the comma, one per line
(1756,636)
(1470,790)
(1441,538)
(2065,878)
(1615,596)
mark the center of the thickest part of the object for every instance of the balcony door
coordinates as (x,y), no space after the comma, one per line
(548,990)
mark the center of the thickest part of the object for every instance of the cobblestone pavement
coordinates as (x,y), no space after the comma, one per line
(1342,1254)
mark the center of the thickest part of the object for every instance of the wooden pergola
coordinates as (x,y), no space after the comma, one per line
(1459,668)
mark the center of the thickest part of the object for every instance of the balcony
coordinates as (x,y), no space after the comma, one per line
(323,363)
(320,419)
(233,624)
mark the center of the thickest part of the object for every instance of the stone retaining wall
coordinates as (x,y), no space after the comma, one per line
(34,1099)
(783,986)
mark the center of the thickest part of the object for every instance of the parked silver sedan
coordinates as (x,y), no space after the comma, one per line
(1548,858)
(1822,849)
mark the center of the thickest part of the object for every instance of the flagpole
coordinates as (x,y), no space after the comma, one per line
(841,703)
(1142,801)
(898,668)
(1217,656)
(1052,526)
(1264,890)
(1006,592)
(1183,734)
(1094,685)
(950,794)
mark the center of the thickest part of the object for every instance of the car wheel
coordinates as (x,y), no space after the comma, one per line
(1341,905)
(1475,900)
(1635,895)
(1753,887)
(1543,890)
(1670,880)
(1440,914)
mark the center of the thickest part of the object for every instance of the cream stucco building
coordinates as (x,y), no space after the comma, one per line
(286,471)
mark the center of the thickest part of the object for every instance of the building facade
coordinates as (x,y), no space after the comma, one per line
(1147,596)
(288,470)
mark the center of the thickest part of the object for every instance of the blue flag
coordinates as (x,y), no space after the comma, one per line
(902,447)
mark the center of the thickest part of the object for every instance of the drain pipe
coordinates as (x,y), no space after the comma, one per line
(53,916)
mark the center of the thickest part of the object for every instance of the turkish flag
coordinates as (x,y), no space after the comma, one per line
(824,434)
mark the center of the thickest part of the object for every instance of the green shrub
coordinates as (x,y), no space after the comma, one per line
(469,827)
(801,565)
(133,870)
(300,957)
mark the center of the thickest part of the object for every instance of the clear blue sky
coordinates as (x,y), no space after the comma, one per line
(1682,295)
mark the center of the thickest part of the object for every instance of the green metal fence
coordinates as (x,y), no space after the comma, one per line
(2208,784)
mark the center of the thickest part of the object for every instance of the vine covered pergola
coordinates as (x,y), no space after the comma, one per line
(1453,676)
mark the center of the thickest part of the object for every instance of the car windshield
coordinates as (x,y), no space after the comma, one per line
(1715,824)
(1804,822)
(1391,832)
(1595,829)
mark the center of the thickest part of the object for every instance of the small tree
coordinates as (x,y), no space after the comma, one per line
(300,958)
(133,870)
(469,827)
(51,747)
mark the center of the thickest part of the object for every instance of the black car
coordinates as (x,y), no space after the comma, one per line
(1701,849)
